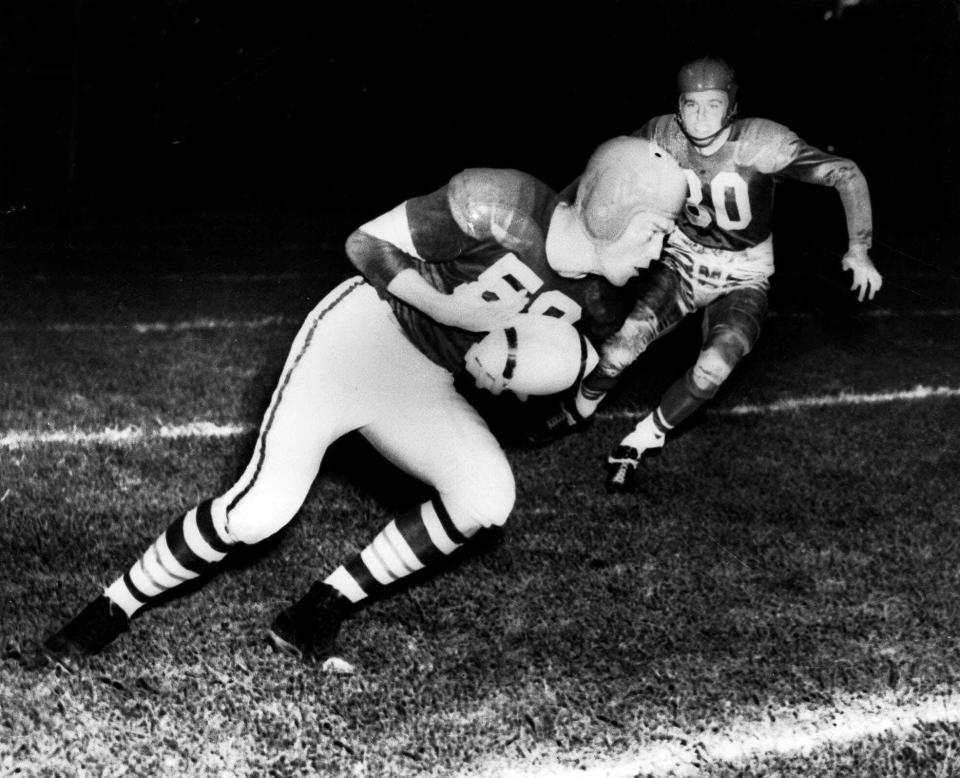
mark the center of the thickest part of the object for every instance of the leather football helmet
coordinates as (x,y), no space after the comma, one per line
(625,176)
(700,75)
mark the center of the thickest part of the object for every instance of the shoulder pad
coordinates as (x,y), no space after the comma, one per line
(494,203)
(765,145)
(665,132)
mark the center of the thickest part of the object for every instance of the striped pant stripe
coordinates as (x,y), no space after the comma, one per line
(281,388)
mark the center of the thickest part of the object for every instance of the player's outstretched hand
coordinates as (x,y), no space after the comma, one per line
(866,278)
(552,420)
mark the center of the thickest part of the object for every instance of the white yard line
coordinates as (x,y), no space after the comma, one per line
(801,403)
(125,435)
(14,439)
(142,328)
(789,732)
(876,313)
(262,322)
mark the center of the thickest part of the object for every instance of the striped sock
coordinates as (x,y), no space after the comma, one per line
(189,547)
(417,539)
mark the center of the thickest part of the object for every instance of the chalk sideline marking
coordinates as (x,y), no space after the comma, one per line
(143,328)
(205,429)
(918,392)
(125,435)
(790,732)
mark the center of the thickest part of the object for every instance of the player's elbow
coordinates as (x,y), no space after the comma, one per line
(360,246)
(846,175)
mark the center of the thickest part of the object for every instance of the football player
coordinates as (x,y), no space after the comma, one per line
(720,258)
(379,355)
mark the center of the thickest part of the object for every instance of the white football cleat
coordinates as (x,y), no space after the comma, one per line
(624,462)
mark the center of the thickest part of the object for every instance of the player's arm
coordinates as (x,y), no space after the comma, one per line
(568,414)
(385,251)
(617,353)
(811,165)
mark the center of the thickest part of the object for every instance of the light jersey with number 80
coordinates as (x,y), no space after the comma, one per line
(508,277)
(727,187)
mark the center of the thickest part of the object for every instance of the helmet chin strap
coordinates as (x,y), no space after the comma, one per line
(706,140)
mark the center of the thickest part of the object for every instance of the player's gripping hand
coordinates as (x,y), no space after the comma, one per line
(866,278)
(552,420)
(494,383)
(481,316)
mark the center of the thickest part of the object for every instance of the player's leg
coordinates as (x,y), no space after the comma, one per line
(712,280)
(659,308)
(434,434)
(731,327)
(311,406)
(665,301)
(452,450)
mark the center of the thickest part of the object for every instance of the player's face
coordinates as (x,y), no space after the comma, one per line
(636,249)
(703,112)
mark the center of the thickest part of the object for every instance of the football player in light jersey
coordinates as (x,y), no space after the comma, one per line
(379,355)
(720,258)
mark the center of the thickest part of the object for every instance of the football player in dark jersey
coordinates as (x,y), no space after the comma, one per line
(379,355)
(720,258)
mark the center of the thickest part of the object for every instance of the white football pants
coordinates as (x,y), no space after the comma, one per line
(351,367)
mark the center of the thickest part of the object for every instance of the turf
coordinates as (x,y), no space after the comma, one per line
(771,563)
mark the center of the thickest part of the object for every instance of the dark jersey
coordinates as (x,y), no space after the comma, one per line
(730,205)
(483,236)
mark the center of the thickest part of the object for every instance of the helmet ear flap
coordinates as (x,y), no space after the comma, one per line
(732,109)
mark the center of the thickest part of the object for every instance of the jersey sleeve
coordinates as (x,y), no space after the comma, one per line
(421,229)
(772,148)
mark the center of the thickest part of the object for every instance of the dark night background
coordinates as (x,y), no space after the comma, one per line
(112,110)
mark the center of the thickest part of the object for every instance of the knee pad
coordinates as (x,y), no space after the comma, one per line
(717,360)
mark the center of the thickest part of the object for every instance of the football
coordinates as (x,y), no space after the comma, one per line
(536,355)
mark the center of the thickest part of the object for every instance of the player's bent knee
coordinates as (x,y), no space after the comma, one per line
(487,503)
(251,523)
(713,367)
(494,505)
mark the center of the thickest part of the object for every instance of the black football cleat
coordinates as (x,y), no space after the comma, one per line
(308,629)
(558,420)
(88,633)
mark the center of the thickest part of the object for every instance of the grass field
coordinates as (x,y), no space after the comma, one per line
(780,599)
